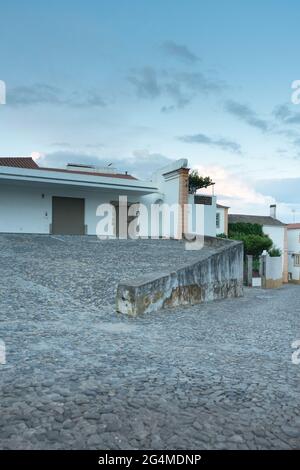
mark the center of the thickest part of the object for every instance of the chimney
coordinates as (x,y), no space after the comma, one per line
(273,211)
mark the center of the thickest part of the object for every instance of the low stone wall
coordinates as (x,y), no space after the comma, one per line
(217,275)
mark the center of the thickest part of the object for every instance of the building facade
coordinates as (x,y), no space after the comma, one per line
(272,227)
(293,234)
(58,201)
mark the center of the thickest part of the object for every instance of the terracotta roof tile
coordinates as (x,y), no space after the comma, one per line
(18,162)
(293,226)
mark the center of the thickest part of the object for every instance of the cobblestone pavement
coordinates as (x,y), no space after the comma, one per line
(212,376)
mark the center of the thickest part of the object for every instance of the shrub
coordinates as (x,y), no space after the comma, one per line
(274,251)
(255,241)
(246,228)
(253,244)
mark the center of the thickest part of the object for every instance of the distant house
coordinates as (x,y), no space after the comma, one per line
(222,219)
(271,226)
(293,234)
(36,199)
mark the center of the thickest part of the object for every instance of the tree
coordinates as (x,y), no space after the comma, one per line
(197,182)
(274,251)
(255,241)
(254,244)
(246,228)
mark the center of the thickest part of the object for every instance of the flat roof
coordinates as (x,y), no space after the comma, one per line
(75,179)
(28,162)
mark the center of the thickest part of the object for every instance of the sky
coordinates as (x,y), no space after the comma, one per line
(139,83)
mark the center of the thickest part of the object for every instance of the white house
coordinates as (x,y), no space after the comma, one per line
(43,200)
(271,226)
(293,234)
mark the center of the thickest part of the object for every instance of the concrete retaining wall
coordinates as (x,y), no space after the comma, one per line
(214,276)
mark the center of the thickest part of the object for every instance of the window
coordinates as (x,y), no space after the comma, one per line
(297,260)
(218,219)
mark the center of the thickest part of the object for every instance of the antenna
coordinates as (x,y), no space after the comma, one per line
(293,212)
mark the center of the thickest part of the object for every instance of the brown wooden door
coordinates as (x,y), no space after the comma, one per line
(67,216)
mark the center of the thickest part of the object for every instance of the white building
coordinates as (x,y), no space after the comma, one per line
(293,234)
(222,219)
(271,226)
(43,200)
(207,213)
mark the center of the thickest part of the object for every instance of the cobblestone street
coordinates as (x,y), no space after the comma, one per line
(79,376)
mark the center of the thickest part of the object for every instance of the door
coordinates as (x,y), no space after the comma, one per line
(67,216)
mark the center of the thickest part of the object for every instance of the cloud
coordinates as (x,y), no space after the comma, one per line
(220,142)
(286,192)
(244,196)
(177,87)
(284,114)
(235,191)
(282,189)
(42,93)
(61,144)
(246,114)
(179,51)
(68,145)
(146,83)
(141,164)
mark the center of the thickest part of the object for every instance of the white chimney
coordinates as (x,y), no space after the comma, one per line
(273,211)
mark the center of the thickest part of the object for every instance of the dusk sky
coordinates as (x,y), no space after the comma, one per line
(139,83)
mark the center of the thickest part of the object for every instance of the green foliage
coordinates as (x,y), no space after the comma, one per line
(274,251)
(255,241)
(253,244)
(255,265)
(246,228)
(222,235)
(197,182)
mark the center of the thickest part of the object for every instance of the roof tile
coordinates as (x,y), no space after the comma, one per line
(18,162)
(254,219)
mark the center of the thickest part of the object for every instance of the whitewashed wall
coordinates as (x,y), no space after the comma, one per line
(169,187)
(293,247)
(24,210)
(273,267)
(276,233)
(209,216)
(221,228)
